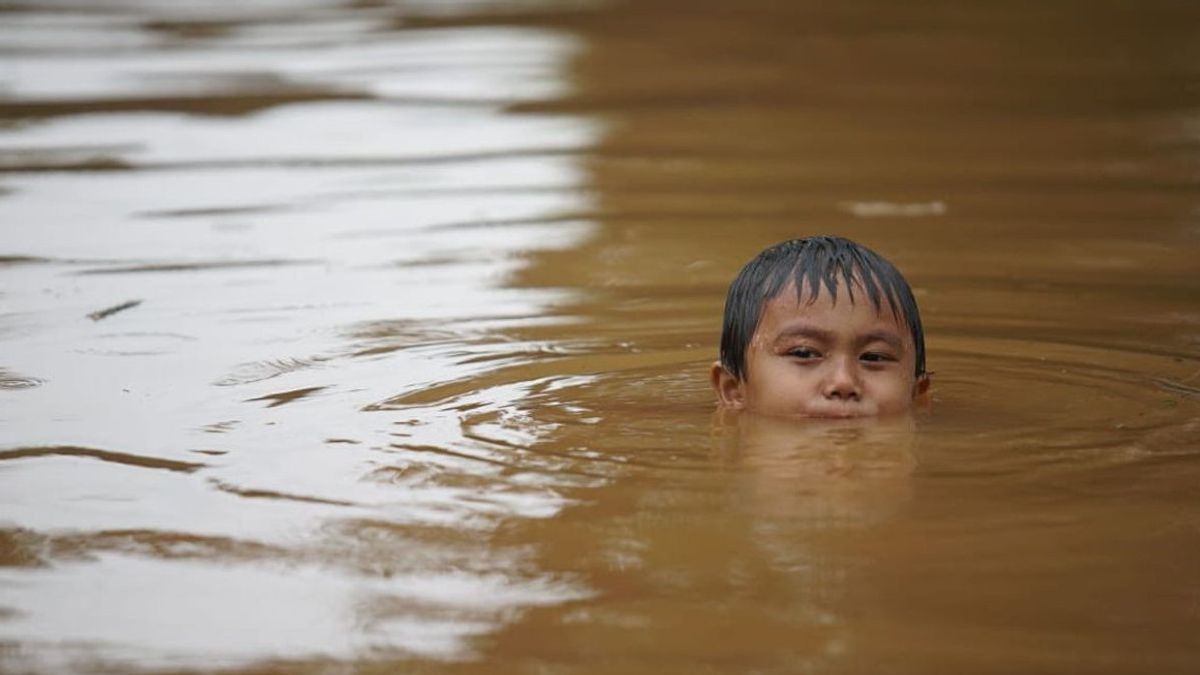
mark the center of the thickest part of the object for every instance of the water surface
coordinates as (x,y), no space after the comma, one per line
(374,335)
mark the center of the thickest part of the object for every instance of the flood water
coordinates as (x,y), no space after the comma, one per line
(373,336)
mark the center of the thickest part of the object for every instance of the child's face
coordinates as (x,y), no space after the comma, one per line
(825,359)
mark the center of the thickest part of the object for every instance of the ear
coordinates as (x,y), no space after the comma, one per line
(921,386)
(727,387)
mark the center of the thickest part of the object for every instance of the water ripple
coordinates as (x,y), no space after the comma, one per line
(124,458)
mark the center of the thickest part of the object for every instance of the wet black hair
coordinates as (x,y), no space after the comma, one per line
(810,264)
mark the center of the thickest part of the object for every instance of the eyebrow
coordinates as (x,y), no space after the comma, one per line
(801,330)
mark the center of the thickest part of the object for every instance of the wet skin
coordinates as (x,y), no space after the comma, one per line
(826,358)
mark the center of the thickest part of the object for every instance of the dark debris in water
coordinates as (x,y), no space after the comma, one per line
(109,311)
(20,260)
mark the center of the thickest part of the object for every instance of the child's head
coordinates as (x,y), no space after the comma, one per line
(820,327)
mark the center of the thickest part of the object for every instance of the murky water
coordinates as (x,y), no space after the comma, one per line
(372,337)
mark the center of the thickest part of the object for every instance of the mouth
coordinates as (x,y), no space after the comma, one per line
(838,413)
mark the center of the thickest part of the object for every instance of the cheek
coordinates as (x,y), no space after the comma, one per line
(895,394)
(781,383)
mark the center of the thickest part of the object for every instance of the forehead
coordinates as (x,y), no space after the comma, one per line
(830,312)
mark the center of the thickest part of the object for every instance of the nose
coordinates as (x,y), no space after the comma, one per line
(842,381)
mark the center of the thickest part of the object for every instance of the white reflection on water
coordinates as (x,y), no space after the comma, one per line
(499,64)
(324,134)
(262,609)
(214,475)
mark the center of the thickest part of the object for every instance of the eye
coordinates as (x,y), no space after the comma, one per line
(877,357)
(803,353)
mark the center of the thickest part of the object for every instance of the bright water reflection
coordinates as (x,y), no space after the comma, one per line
(193,480)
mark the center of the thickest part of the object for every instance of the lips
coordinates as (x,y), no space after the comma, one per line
(838,411)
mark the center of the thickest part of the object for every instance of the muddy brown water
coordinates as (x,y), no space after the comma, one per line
(372,337)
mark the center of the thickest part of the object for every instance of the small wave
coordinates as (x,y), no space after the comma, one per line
(200,266)
(220,427)
(21,547)
(253,493)
(213,212)
(284,397)
(97,157)
(259,371)
(1176,387)
(103,455)
(9,380)
(225,105)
